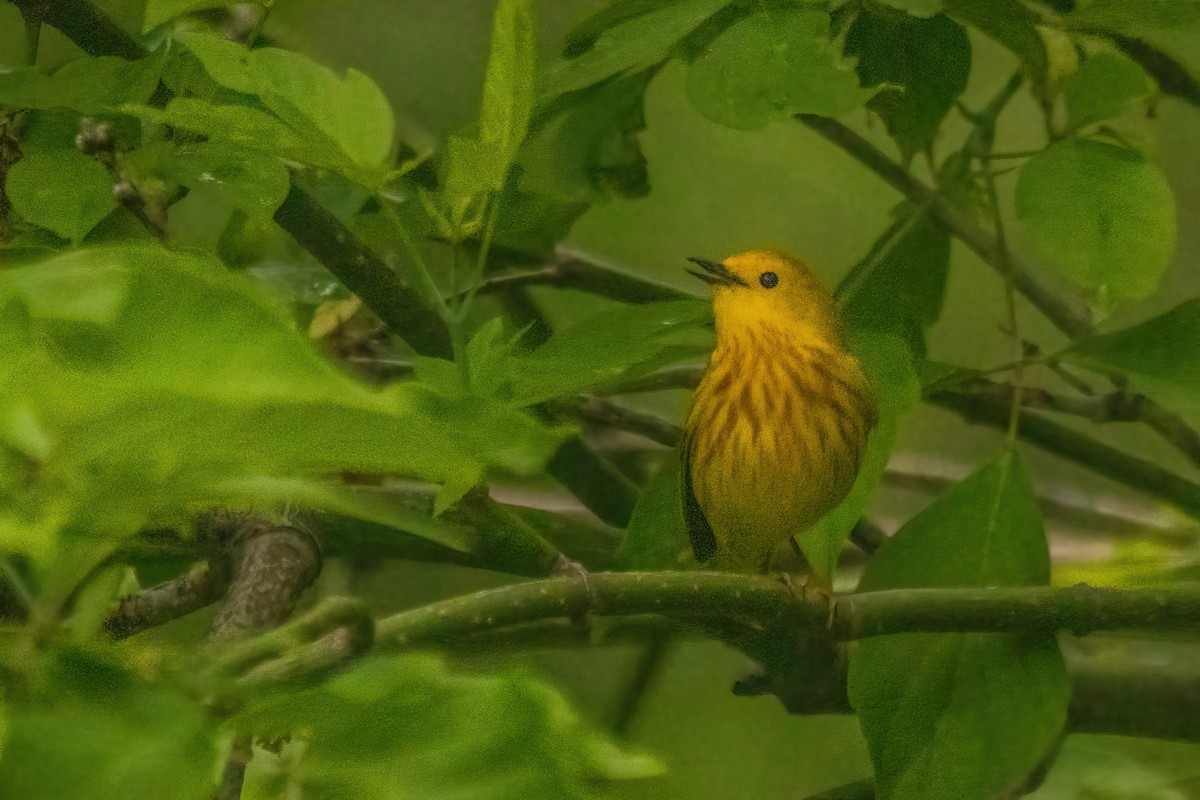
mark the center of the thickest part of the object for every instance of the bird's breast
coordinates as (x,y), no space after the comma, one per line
(777,432)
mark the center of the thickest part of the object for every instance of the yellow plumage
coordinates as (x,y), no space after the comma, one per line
(780,419)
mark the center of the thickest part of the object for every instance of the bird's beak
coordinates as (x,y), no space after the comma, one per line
(715,273)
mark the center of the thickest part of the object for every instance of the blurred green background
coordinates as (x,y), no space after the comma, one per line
(716,191)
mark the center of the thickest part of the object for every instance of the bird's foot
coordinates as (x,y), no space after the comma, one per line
(568,566)
(811,590)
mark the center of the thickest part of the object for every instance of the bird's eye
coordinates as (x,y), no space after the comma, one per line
(769,280)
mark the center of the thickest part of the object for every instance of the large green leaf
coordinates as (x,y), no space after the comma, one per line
(961,716)
(1106,83)
(900,284)
(348,115)
(601,350)
(405,727)
(87,85)
(84,726)
(887,363)
(244,127)
(629,38)
(923,65)
(477,166)
(1099,213)
(657,537)
(771,66)
(59,188)
(508,87)
(1162,354)
(135,382)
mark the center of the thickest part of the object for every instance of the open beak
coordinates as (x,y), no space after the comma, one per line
(715,273)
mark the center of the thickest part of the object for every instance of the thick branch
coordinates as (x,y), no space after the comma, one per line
(273,563)
(765,603)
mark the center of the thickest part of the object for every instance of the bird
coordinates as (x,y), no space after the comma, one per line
(779,421)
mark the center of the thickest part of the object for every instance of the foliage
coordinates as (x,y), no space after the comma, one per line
(161,260)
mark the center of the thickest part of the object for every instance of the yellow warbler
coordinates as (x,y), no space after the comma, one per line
(780,419)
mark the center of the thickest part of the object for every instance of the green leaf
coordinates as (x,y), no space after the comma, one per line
(255,184)
(84,726)
(1099,213)
(630,40)
(604,349)
(241,126)
(922,65)
(1011,24)
(158,423)
(1162,353)
(771,66)
(887,363)
(900,284)
(1106,83)
(349,114)
(87,85)
(919,8)
(927,702)
(657,537)
(60,189)
(406,726)
(478,166)
(160,11)
(363,503)
(508,87)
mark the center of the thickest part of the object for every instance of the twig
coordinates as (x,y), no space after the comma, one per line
(572,270)
(606,413)
(1070,314)
(649,664)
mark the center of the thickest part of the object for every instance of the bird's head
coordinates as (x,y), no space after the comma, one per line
(766,286)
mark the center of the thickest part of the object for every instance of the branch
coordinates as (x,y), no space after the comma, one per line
(200,586)
(766,603)
(1138,473)
(575,271)
(1068,313)
(364,272)
(1121,686)
(273,563)
(1120,405)
(79,21)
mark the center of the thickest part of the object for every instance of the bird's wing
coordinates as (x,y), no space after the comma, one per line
(704,542)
